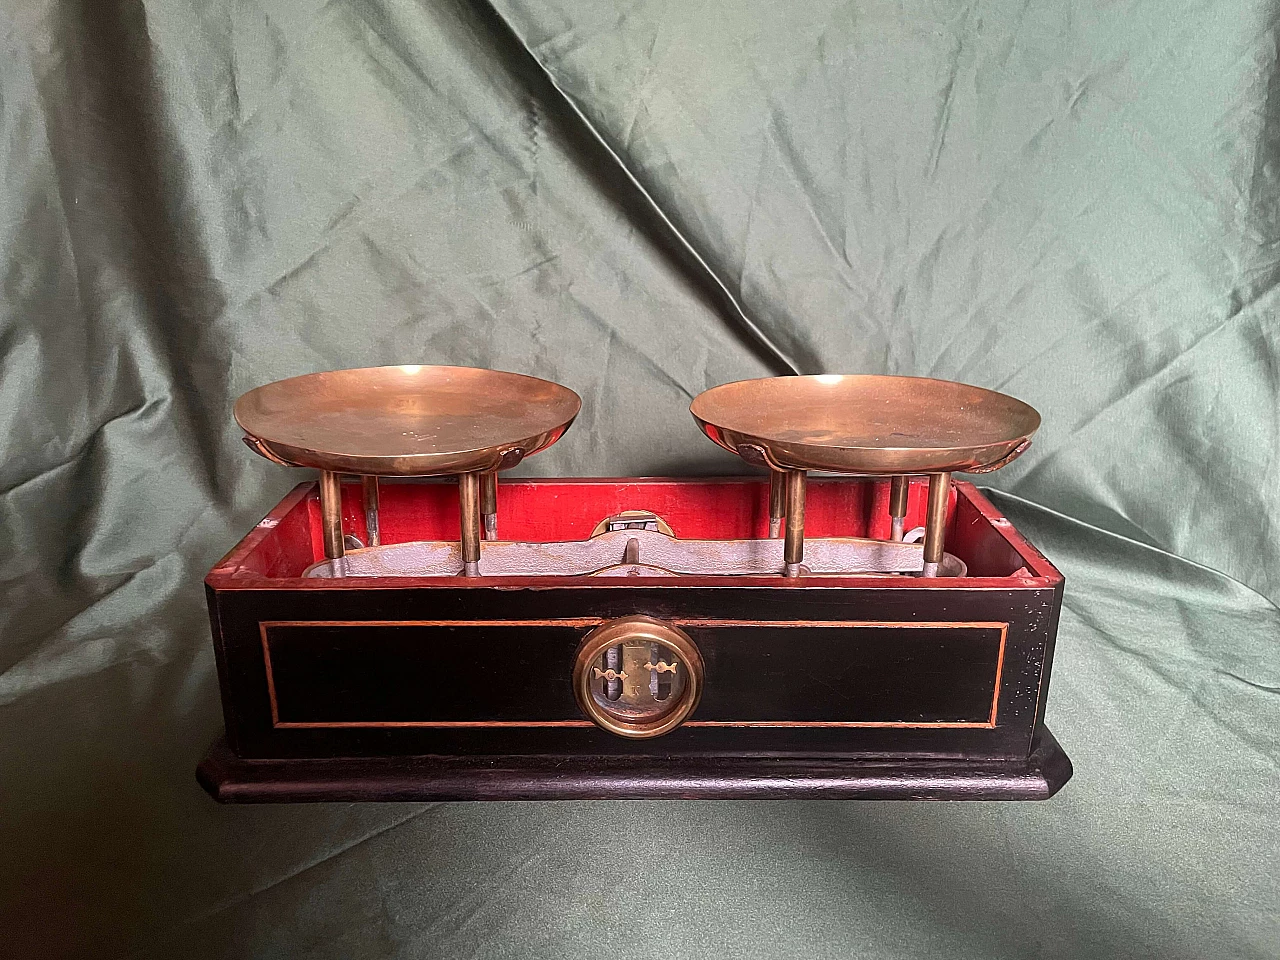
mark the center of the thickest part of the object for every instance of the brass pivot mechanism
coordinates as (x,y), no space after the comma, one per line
(637,677)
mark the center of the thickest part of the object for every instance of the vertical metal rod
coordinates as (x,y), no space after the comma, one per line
(934,524)
(777,501)
(898,506)
(369,488)
(613,661)
(331,513)
(489,504)
(793,546)
(469,517)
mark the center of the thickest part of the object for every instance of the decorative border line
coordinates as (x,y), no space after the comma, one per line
(989,724)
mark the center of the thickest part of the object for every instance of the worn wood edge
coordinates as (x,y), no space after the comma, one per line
(231,779)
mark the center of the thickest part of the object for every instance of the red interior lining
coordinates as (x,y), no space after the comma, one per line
(290,539)
(545,511)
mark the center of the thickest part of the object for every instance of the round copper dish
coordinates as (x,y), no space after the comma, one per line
(409,421)
(866,425)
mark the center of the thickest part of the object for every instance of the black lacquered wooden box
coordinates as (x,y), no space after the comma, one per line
(448,687)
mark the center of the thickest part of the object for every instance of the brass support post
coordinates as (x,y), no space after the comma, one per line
(489,504)
(469,515)
(793,546)
(777,501)
(369,488)
(898,506)
(934,524)
(331,513)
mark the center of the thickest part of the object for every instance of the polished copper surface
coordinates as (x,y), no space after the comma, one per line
(410,421)
(866,425)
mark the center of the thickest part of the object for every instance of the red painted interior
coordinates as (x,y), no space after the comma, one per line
(556,510)
(289,539)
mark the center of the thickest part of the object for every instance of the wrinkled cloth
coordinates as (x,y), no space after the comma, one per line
(1074,203)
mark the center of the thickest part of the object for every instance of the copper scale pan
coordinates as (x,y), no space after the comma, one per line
(411,421)
(407,421)
(866,426)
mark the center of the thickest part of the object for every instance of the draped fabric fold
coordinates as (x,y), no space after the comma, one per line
(1073,203)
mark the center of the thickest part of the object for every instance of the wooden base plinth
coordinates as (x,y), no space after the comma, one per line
(231,779)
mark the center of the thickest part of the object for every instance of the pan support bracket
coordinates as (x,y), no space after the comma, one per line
(369,496)
(777,502)
(469,520)
(898,507)
(331,514)
(477,510)
(478,507)
(786,504)
(793,544)
(489,504)
(935,522)
(787,486)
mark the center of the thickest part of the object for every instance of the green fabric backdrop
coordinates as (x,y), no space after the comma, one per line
(1073,202)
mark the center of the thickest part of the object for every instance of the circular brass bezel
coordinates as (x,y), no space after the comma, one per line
(631,629)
